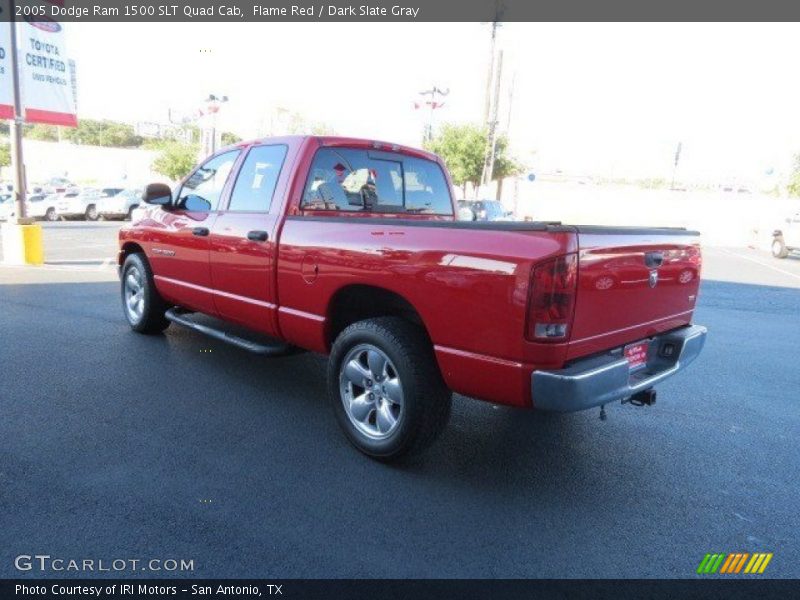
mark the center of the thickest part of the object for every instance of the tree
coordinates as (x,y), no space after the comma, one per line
(504,165)
(40,131)
(104,133)
(462,147)
(176,159)
(229,138)
(5,155)
(794,179)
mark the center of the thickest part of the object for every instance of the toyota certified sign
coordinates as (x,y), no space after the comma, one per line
(46,75)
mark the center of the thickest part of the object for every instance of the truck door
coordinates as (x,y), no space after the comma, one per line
(180,249)
(243,241)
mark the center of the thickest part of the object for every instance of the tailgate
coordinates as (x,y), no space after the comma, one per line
(632,283)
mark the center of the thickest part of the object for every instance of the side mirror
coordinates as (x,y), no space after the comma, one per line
(157,193)
(194,203)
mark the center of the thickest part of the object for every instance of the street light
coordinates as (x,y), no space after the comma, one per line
(432,104)
(213,104)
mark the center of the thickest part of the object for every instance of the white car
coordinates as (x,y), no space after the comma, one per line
(37,206)
(81,204)
(787,238)
(121,205)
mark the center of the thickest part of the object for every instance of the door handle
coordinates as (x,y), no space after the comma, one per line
(257,236)
(200,231)
(654,259)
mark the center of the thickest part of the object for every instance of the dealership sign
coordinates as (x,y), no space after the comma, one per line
(46,80)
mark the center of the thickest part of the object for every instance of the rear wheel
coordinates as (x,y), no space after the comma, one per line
(779,249)
(51,215)
(130,212)
(386,389)
(143,306)
(91,213)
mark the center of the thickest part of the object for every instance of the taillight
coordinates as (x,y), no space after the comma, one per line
(551,301)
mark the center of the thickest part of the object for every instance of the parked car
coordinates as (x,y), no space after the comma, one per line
(37,206)
(787,238)
(120,205)
(313,242)
(490,210)
(465,211)
(80,204)
(6,206)
(57,185)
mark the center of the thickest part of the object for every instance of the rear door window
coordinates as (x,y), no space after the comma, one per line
(345,179)
(255,184)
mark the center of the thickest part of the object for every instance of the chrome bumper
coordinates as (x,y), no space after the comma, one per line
(606,378)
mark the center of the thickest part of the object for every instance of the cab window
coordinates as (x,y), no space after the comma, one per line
(345,179)
(202,191)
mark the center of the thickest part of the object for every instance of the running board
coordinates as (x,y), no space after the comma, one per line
(177,315)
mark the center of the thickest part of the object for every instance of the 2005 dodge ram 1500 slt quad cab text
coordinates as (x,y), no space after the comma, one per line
(352,248)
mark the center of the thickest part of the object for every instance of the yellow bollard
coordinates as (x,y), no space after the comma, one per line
(22,244)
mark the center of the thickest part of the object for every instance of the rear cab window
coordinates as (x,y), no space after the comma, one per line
(348,179)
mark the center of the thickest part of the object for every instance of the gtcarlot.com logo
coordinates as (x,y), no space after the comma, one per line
(45,562)
(734,563)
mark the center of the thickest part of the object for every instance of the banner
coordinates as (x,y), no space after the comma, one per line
(46,75)
(6,89)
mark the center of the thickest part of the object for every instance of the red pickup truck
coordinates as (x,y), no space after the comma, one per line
(352,248)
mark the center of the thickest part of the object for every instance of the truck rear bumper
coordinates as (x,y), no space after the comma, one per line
(606,378)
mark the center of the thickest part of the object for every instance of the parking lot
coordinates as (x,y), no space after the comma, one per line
(117,445)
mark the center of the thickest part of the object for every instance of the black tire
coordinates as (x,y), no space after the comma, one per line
(51,214)
(151,319)
(426,401)
(130,212)
(91,213)
(779,249)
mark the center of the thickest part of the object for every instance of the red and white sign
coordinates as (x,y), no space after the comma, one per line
(636,354)
(46,80)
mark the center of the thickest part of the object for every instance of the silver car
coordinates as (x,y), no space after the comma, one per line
(120,205)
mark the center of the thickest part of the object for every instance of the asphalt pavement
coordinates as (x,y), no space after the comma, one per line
(115,445)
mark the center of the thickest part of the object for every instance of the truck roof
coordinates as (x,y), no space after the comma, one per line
(335,140)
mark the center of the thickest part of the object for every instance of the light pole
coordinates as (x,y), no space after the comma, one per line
(213,104)
(18,166)
(432,105)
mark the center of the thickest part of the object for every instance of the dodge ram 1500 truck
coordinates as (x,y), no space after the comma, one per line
(352,248)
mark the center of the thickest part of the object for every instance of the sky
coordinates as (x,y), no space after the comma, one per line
(610,100)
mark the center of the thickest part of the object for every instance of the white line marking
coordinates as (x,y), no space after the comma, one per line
(758,262)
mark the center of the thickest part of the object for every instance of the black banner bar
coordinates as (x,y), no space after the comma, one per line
(240,11)
(388,589)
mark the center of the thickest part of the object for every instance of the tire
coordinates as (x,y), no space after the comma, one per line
(408,405)
(130,212)
(51,215)
(779,249)
(145,314)
(91,213)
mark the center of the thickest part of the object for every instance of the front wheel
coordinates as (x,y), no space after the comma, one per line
(51,214)
(91,213)
(143,306)
(779,249)
(386,389)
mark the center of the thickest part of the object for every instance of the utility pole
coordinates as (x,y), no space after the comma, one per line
(17,163)
(510,102)
(491,142)
(487,105)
